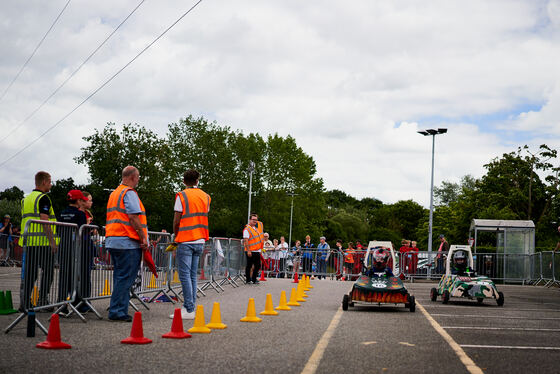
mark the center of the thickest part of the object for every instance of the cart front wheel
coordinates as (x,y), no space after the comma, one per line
(345,302)
(480,300)
(500,299)
(445,297)
(412,304)
(433,294)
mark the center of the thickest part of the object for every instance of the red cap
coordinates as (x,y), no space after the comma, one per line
(76,195)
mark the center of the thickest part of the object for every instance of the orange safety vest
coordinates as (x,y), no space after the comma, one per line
(348,257)
(118,223)
(256,237)
(194,221)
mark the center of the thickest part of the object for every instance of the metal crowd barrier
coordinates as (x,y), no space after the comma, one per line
(12,252)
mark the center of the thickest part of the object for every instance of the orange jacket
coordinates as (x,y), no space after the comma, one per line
(349,255)
(118,223)
(194,219)
(256,237)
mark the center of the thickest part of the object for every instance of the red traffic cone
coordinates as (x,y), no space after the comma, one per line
(177,331)
(202,274)
(262,278)
(137,332)
(296,279)
(53,338)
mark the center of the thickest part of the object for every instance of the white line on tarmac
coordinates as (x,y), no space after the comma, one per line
(509,347)
(465,359)
(317,355)
(497,328)
(501,317)
(507,310)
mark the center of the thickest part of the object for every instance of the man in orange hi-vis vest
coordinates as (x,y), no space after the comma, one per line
(190,225)
(253,242)
(126,233)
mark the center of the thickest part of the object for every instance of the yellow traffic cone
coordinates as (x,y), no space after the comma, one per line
(34,296)
(199,325)
(283,303)
(216,319)
(152,282)
(268,307)
(293,298)
(251,314)
(175,278)
(303,289)
(308,283)
(305,283)
(106,289)
(299,292)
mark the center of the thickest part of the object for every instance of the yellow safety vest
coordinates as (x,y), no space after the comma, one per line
(30,210)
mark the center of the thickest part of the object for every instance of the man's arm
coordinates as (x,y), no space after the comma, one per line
(47,230)
(246,245)
(176,222)
(135,223)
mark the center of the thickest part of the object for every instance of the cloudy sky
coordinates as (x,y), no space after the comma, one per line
(352,81)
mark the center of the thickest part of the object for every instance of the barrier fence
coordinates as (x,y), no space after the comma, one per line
(66,269)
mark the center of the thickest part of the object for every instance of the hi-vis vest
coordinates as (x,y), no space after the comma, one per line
(194,221)
(348,256)
(118,223)
(256,237)
(30,210)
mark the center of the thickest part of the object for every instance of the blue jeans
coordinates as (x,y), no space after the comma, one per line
(187,266)
(321,268)
(126,263)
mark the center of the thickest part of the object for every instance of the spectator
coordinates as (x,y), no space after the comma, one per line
(338,255)
(5,236)
(282,256)
(87,207)
(265,256)
(413,264)
(296,255)
(253,241)
(274,255)
(323,250)
(349,261)
(403,253)
(308,256)
(442,254)
(359,254)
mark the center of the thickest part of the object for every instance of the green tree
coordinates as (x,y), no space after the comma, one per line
(12,194)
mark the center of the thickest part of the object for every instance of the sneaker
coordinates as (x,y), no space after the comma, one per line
(256,282)
(127,318)
(184,314)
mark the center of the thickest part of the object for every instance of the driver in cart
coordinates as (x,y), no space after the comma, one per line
(460,264)
(379,266)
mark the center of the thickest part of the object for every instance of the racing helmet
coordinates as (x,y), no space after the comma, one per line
(460,260)
(380,258)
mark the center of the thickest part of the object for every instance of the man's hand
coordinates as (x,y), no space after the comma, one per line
(54,247)
(144,244)
(249,253)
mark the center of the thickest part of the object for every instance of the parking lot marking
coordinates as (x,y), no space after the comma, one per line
(498,328)
(501,317)
(368,343)
(510,347)
(408,344)
(509,310)
(313,362)
(465,359)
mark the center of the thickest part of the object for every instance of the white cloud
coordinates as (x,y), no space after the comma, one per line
(352,82)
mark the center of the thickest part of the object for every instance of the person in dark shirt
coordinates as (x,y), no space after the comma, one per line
(379,268)
(67,253)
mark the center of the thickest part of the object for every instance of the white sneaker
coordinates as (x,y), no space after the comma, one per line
(184,314)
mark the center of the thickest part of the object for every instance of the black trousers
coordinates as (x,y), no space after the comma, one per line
(254,260)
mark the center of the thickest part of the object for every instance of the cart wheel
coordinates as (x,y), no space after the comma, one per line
(480,300)
(433,294)
(350,303)
(445,297)
(500,299)
(345,302)
(412,304)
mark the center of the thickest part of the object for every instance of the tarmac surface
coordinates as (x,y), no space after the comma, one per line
(316,337)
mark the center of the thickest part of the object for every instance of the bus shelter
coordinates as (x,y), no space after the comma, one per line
(515,247)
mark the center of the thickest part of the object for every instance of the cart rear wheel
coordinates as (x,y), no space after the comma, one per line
(445,297)
(433,294)
(412,304)
(345,302)
(500,299)
(480,300)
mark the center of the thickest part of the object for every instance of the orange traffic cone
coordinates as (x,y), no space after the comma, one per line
(296,279)
(137,332)
(152,282)
(216,318)
(177,331)
(268,307)
(293,298)
(251,314)
(300,293)
(53,338)
(175,278)
(262,278)
(34,296)
(283,302)
(202,274)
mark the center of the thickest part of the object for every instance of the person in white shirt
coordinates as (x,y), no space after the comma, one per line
(267,250)
(282,256)
(273,257)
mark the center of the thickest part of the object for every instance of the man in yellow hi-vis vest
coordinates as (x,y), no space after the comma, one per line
(40,243)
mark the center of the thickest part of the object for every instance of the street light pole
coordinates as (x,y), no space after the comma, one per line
(291,214)
(432,133)
(250,169)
